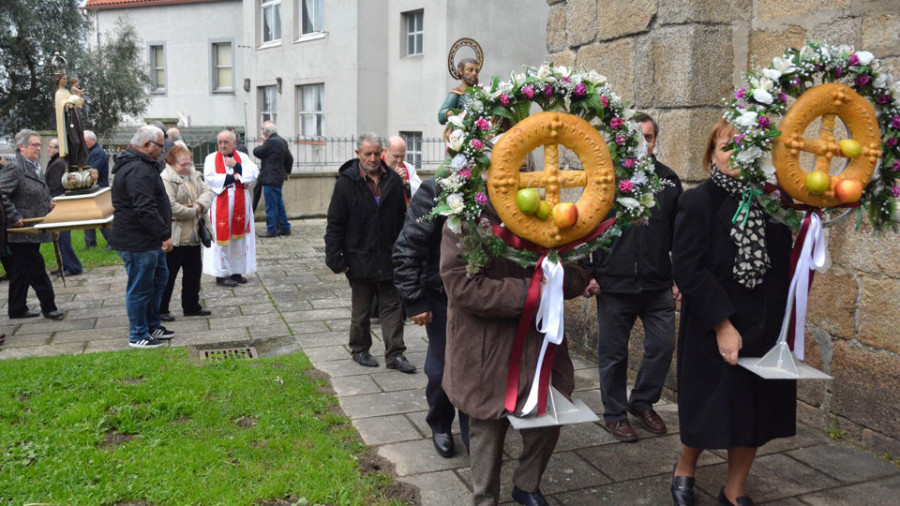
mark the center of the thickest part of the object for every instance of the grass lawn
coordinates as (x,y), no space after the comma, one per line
(154,427)
(89,257)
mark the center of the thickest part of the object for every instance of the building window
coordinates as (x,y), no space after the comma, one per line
(267,105)
(223,67)
(413,148)
(270,18)
(415,24)
(157,59)
(311,17)
(310,98)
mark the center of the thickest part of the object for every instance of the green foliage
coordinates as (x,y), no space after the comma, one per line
(150,425)
(834,428)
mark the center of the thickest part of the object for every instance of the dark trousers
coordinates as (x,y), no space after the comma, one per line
(616,314)
(257,194)
(90,236)
(71,263)
(188,259)
(27,269)
(391,314)
(486,457)
(440,410)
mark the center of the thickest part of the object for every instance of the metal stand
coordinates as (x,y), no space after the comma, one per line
(560,411)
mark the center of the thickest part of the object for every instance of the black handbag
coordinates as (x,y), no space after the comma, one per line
(203,233)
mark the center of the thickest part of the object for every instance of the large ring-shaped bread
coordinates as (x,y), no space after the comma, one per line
(598,177)
(825,100)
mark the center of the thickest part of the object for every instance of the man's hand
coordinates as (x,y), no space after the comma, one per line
(229,161)
(18,224)
(401,171)
(198,209)
(52,204)
(592,289)
(676,293)
(729,341)
(167,245)
(421,318)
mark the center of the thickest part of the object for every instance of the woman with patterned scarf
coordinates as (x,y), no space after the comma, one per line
(731,261)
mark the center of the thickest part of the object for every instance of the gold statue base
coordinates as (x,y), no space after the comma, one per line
(75,212)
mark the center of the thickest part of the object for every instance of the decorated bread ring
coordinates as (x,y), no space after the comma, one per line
(827,101)
(451,57)
(598,178)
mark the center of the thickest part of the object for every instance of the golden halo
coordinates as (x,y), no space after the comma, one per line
(463,42)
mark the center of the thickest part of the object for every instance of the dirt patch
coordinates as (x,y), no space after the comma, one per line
(137,502)
(115,438)
(259,444)
(371,463)
(283,501)
(184,420)
(132,381)
(247,422)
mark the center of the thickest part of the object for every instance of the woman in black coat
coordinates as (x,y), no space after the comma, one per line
(733,305)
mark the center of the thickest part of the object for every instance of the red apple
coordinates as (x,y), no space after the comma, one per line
(565,214)
(848,190)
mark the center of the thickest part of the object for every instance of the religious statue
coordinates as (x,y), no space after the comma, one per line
(466,70)
(69,125)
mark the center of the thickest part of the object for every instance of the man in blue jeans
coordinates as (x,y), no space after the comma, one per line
(142,227)
(275,167)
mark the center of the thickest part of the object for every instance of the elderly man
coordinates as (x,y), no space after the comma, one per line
(230,173)
(56,169)
(277,164)
(365,217)
(97,159)
(24,195)
(634,279)
(175,135)
(142,234)
(395,158)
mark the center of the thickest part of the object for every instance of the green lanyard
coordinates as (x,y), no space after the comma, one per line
(746,200)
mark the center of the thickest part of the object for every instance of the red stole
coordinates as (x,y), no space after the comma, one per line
(225,230)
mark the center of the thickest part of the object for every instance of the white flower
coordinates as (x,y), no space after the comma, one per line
(865,57)
(563,71)
(476,105)
(454,223)
(773,74)
(456,202)
(747,119)
(594,78)
(883,81)
(451,183)
(457,120)
(503,87)
(769,171)
(808,54)
(517,79)
(845,50)
(783,65)
(639,177)
(457,137)
(896,206)
(459,161)
(647,200)
(761,88)
(762,96)
(628,202)
(545,74)
(749,155)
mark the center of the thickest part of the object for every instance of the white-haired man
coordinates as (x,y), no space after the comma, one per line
(277,163)
(230,173)
(395,158)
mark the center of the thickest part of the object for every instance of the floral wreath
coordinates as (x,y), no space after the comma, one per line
(757,107)
(491,110)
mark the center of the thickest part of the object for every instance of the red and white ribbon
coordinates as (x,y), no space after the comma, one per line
(549,321)
(811,256)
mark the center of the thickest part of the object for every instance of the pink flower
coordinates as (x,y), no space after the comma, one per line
(782,98)
(895,122)
(854,60)
(895,165)
(504,100)
(795,82)
(482,124)
(862,80)
(895,191)
(528,91)
(605,101)
(548,91)
(629,163)
(883,99)
(741,93)
(566,80)
(763,122)
(839,71)
(620,140)
(890,142)
(625,186)
(465,173)
(738,138)
(480,198)
(476,144)
(616,123)
(580,90)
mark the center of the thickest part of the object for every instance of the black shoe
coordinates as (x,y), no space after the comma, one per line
(54,272)
(443,443)
(741,501)
(226,282)
(24,314)
(240,279)
(166,317)
(55,315)
(284,232)
(365,358)
(529,498)
(401,364)
(682,490)
(200,312)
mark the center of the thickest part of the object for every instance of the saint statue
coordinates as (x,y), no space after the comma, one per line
(466,70)
(69,125)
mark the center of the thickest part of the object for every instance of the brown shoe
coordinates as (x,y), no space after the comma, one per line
(622,430)
(651,421)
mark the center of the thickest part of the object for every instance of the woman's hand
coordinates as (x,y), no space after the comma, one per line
(729,340)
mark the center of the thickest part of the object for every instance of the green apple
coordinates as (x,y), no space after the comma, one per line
(818,182)
(850,148)
(528,200)
(543,210)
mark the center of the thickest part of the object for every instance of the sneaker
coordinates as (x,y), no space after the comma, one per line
(146,343)
(162,333)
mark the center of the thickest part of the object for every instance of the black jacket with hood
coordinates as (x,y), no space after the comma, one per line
(142,220)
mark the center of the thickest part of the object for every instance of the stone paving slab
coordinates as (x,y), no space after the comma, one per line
(387,403)
(386,429)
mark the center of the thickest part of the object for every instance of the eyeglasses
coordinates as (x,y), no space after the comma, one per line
(35,144)
(160,146)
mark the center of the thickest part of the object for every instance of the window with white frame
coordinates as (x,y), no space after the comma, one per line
(311,118)
(157,59)
(270,21)
(311,16)
(415,29)
(413,148)
(267,105)
(222,66)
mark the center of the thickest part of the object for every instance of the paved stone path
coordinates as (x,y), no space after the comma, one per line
(295,303)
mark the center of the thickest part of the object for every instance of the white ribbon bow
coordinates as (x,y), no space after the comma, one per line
(549,321)
(812,257)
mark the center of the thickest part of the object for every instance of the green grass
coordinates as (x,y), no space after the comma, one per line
(89,257)
(182,432)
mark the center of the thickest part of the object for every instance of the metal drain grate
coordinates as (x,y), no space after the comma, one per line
(232,353)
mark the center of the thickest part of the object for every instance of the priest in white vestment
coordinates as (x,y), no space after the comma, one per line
(233,252)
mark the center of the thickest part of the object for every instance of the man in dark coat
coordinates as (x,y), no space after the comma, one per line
(54,174)
(96,159)
(142,234)
(417,263)
(364,219)
(276,165)
(634,279)
(24,194)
